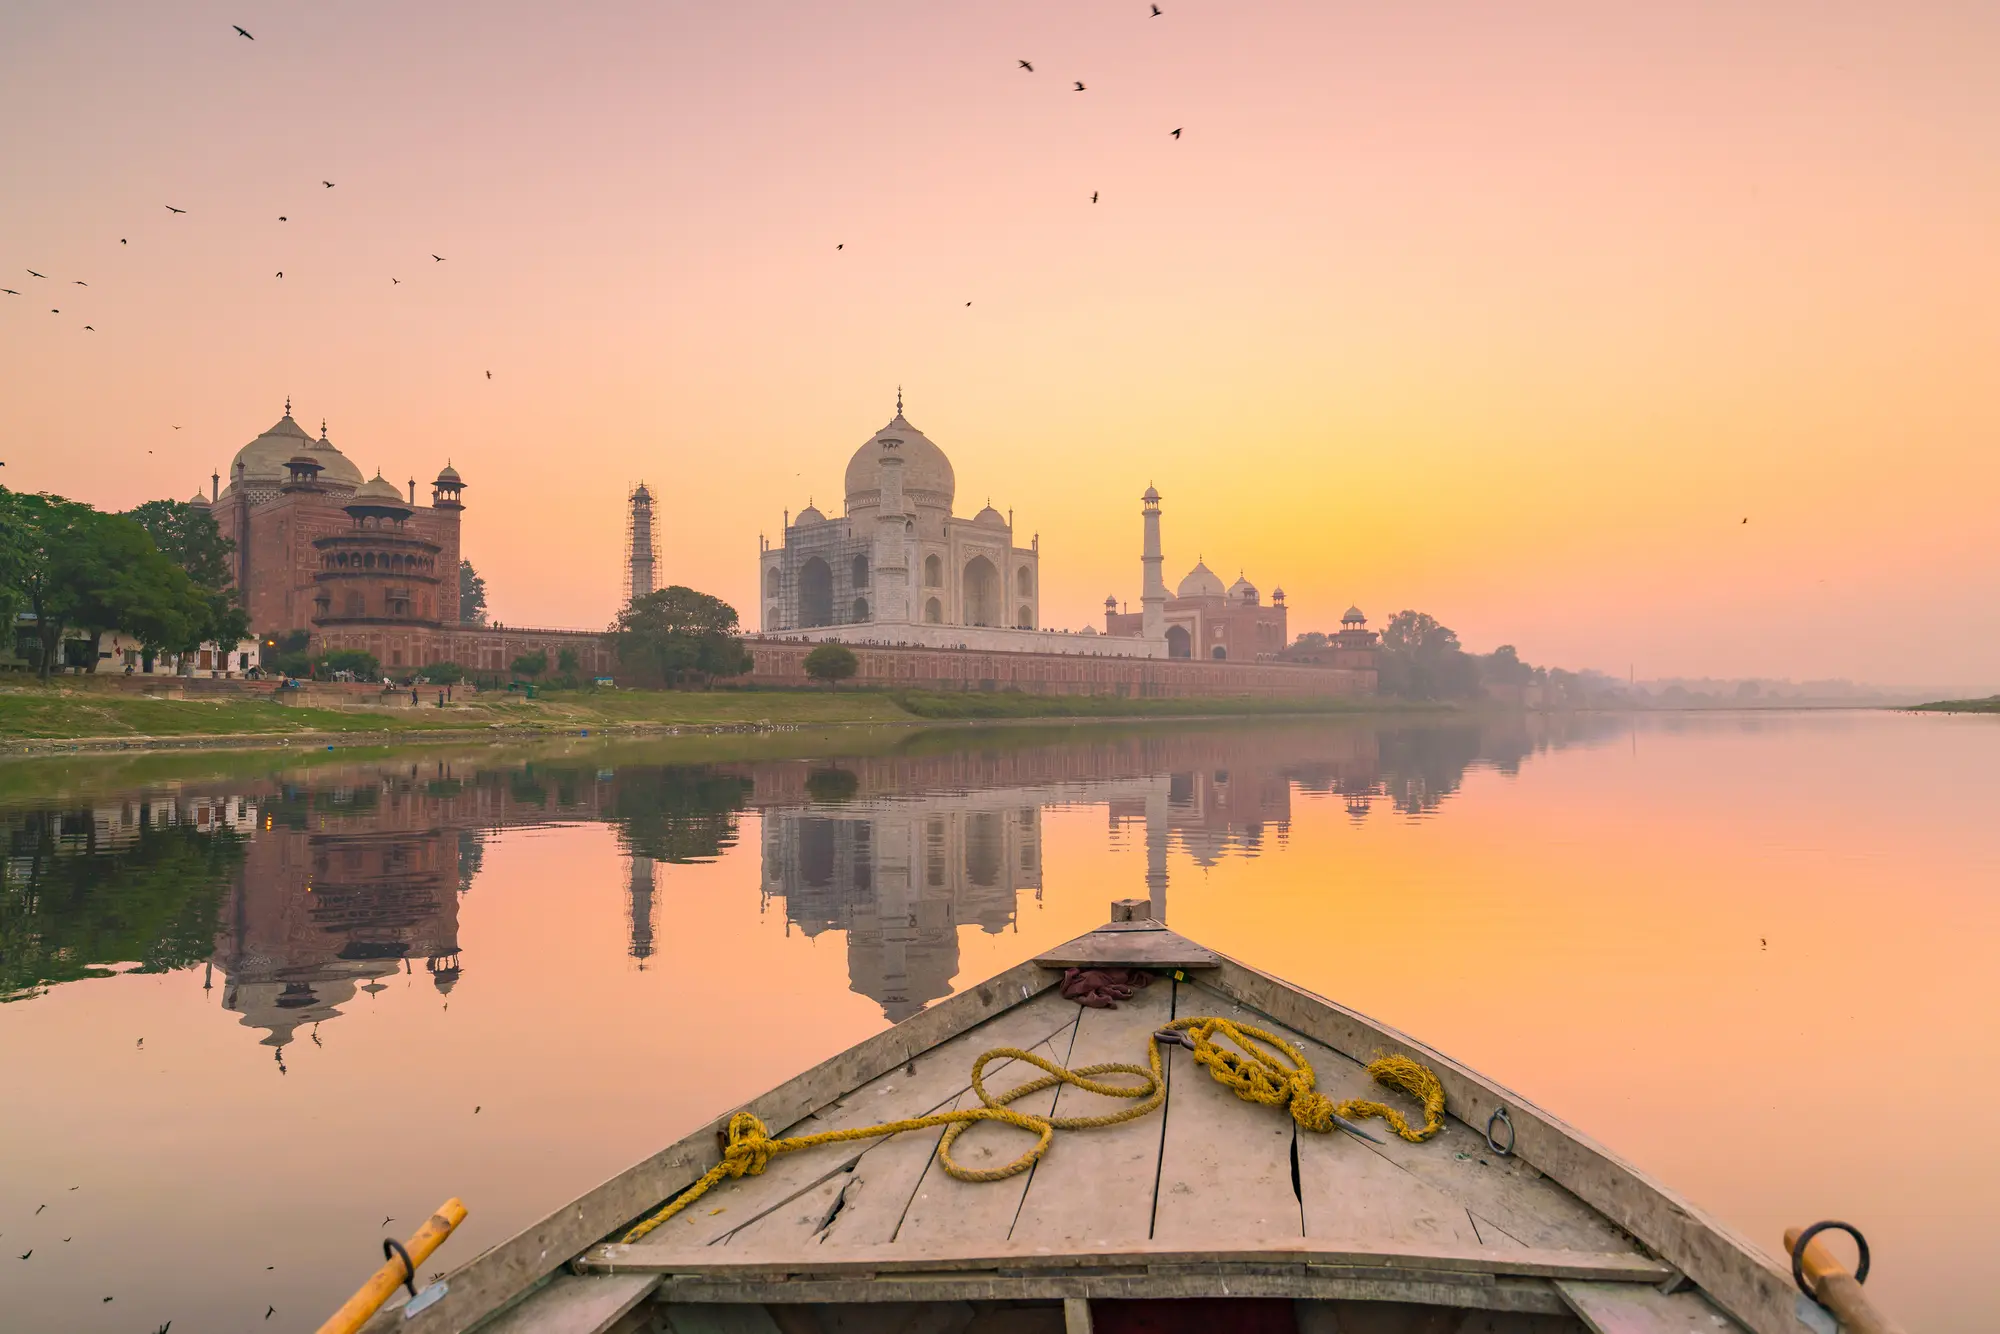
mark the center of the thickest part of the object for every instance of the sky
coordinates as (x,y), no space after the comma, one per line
(1510,314)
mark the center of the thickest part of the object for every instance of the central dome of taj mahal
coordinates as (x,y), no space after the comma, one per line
(928,481)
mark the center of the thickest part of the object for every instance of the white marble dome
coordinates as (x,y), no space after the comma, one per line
(1201,582)
(928,480)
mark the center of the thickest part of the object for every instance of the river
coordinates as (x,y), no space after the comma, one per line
(258,1011)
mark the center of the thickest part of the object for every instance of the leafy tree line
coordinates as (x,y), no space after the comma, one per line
(677,636)
(1420,658)
(159,573)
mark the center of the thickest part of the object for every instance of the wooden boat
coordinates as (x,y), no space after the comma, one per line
(1209,1213)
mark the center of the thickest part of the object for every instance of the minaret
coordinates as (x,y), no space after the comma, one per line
(1153,592)
(639,545)
(889,600)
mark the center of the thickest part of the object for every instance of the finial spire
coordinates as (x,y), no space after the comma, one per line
(288,405)
(899,400)
(322,428)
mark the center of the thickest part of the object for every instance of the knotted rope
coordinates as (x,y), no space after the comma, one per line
(1256,1075)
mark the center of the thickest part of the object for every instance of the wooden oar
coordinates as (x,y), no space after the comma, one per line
(1836,1289)
(395,1272)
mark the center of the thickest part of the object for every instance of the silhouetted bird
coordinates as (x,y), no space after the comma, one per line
(1156,11)
(25,1254)
(1079,85)
(1093,196)
(840,245)
(241,32)
(385,1222)
(54,311)
(9,291)
(33,274)
(40,1207)
(438,258)
(1027,65)
(327,184)
(281,273)
(283,218)
(968,303)
(397,281)
(1746,520)
(172,209)
(489,375)
(91,328)
(1177,133)
(123,241)
(78,282)
(268,1313)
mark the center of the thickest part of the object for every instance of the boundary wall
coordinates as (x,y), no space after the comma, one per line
(782,663)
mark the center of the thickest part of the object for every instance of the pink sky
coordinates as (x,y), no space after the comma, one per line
(1511,316)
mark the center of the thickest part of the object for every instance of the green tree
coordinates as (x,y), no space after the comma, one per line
(77,568)
(471,595)
(288,654)
(832,663)
(567,662)
(532,664)
(442,674)
(1422,659)
(188,535)
(677,634)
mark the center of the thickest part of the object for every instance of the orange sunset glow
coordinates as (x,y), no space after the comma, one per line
(1511,314)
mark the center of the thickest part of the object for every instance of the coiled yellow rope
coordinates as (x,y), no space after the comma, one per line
(1257,1075)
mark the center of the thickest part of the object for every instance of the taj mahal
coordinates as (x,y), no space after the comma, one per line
(896,566)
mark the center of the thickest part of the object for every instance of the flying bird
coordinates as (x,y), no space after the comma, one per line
(968,303)
(396,280)
(1093,196)
(33,274)
(281,273)
(840,245)
(438,258)
(1177,133)
(489,375)
(40,1207)
(78,282)
(172,209)
(475,1111)
(91,328)
(1079,85)
(327,184)
(123,241)
(241,32)
(283,218)
(54,311)
(385,1222)
(9,291)
(142,1042)
(268,1313)
(1156,11)
(25,1254)
(1027,65)
(1746,519)
(177,428)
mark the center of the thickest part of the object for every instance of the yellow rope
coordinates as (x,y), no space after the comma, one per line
(1257,1075)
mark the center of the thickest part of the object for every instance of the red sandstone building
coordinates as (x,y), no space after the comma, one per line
(359,563)
(1205,620)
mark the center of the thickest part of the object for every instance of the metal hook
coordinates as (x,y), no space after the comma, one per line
(1500,1115)
(390,1246)
(1830,1225)
(1175,1037)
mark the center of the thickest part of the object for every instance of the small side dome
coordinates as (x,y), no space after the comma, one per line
(991,517)
(1278,594)
(810,514)
(378,488)
(1151,494)
(1200,583)
(1354,617)
(1089,630)
(1111,602)
(198,500)
(1243,590)
(448,476)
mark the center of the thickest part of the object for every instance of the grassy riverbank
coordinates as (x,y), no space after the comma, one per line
(61,712)
(1991,704)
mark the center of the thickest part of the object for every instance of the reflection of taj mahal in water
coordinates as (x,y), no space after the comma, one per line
(349,879)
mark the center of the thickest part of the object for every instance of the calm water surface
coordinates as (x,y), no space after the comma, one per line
(254,1006)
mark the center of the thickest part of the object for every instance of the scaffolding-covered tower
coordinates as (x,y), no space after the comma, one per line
(642,542)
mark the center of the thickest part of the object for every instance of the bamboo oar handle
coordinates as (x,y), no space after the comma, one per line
(369,1298)
(1836,1289)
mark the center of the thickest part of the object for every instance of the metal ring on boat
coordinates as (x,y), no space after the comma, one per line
(1799,1252)
(1500,1115)
(390,1246)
